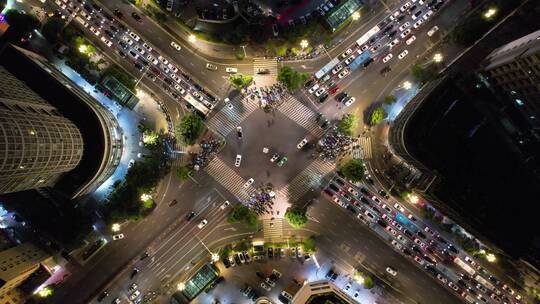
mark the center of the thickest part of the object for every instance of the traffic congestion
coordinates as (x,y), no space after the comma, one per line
(413,238)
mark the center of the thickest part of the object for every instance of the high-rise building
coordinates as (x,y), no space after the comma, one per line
(515,69)
(16,265)
(37,143)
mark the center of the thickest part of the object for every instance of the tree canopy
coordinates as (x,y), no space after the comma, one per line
(346,124)
(424,74)
(353,170)
(390,99)
(190,128)
(296,216)
(240,81)
(378,115)
(243,215)
(309,244)
(52,29)
(292,79)
(20,23)
(183,173)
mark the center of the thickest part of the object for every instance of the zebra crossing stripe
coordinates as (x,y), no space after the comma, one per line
(365,147)
(228,178)
(226,120)
(310,177)
(300,114)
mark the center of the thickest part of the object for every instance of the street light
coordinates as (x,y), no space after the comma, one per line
(437,57)
(407,85)
(192,38)
(490,13)
(413,199)
(115,227)
(490,257)
(215,257)
(355,16)
(145,197)
(181,286)
(83,48)
(304,43)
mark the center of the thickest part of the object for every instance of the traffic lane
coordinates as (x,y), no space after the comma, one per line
(160,41)
(346,229)
(95,274)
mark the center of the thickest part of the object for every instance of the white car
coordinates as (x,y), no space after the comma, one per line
(211,67)
(165,61)
(265,287)
(176,46)
(314,88)
(225,205)
(398,207)
(337,69)
(347,52)
(146,46)
(231,70)
(393,43)
(238,160)
(432,31)
(403,54)
(270,282)
(107,42)
(320,91)
(343,73)
(427,15)
(410,40)
(350,101)
(302,143)
(95,31)
(134,36)
(391,271)
(387,57)
(152,59)
(405,33)
(349,60)
(134,295)
(249,182)
(405,6)
(127,40)
(404,26)
(118,236)
(202,224)
(172,67)
(274,157)
(418,23)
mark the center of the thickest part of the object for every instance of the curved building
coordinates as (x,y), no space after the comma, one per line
(37,144)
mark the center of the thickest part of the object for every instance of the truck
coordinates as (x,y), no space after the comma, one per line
(466,267)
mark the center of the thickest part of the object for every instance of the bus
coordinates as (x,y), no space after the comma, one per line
(372,32)
(468,269)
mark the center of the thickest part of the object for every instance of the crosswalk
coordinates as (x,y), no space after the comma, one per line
(226,120)
(269,65)
(310,178)
(178,154)
(273,230)
(300,114)
(364,147)
(228,178)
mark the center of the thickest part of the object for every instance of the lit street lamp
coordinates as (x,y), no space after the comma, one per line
(490,13)
(355,16)
(215,257)
(437,57)
(181,286)
(145,197)
(115,227)
(304,43)
(413,199)
(407,85)
(83,48)
(192,38)
(490,257)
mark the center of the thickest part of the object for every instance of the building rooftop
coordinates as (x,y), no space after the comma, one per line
(521,47)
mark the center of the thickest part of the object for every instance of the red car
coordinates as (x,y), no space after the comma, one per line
(334,90)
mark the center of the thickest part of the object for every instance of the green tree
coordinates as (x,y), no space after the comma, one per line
(243,215)
(183,172)
(346,124)
(296,216)
(309,244)
(121,76)
(378,115)
(424,74)
(20,23)
(52,29)
(240,81)
(353,170)
(390,99)
(368,282)
(291,79)
(190,128)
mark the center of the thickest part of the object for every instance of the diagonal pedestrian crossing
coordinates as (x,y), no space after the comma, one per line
(226,119)
(310,178)
(300,114)
(228,178)
(364,143)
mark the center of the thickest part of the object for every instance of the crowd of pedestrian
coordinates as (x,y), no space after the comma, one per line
(334,145)
(208,150)
(267,96)
(262,201)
